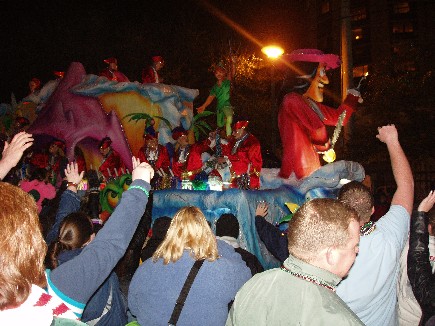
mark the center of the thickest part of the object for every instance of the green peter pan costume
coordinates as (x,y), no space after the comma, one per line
(224,109)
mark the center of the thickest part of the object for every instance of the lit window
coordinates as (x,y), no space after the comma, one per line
(360,71)
(406,66)
(403,27)
(359,13)
(401,8)
(408,28)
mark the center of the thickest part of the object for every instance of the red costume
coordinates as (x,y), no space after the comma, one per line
(112,162)
(158,160)
(244,156)
(114,75)
(303,132)
(188,160)
(151,74)
(302,118)
(112,72)
(81,162)
(53,162)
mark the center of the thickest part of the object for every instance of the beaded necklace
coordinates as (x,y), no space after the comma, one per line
(367,228)
(308,279)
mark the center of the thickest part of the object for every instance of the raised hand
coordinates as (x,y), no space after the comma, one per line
(262,209)
(427,203)
(13,152)
(142,171)
(72,173)
(387,134)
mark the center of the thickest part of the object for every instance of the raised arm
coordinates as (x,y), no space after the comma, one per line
(207,102)
(69,201)
(275,241)
(13,152)
(419,269)
(404,195)
(80,277)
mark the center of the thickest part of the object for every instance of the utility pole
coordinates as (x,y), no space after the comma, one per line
(347,63)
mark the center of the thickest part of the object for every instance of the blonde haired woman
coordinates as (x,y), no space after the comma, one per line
(157,283)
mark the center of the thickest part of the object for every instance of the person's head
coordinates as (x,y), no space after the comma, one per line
(112,63)
(188,230)
(158,62)
(227,225)
(22,247)
(39,174)
(319,79)
(57,147)
(151,142)
(105,146)
(34,84)
(76,231)
(59,74)
(220,71)
(180,135)
(325,233)
(318,82)
(21,123)
(239,129)
(357,196)
(161,226)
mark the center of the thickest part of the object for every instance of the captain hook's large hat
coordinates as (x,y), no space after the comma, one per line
(332,61)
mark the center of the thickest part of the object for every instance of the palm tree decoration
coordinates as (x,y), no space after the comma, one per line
(199,125)
(148,118)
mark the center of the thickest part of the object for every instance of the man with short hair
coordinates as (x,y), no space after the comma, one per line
(370,288)
(323,243)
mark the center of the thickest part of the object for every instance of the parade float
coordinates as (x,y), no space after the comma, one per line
(84,108)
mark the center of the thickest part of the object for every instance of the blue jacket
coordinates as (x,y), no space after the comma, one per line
(76,280)
(117,310)
(155,288)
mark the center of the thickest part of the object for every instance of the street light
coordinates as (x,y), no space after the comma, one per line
(273,52)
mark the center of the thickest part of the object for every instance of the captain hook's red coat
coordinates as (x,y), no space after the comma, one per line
(303,132)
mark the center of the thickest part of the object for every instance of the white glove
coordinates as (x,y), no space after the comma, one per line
(355,93)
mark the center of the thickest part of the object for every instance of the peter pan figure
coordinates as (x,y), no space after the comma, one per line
(222,92)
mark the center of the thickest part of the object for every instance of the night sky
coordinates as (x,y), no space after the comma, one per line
(44,36)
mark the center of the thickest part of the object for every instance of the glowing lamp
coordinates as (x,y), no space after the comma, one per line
(272,51)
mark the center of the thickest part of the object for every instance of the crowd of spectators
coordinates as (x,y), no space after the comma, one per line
(338,266)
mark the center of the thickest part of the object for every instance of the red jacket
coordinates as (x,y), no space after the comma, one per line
(162,161)
(114,75)
(149,76)
(303,132)
(112,163)
(192,163)
(247,155)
